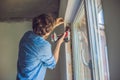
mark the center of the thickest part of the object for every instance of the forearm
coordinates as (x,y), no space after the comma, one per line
(57,48)
(56,52)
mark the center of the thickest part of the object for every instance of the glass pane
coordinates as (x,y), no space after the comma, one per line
(83,43)
(102,43)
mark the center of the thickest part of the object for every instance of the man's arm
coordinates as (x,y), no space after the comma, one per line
(57,23)
(57,48)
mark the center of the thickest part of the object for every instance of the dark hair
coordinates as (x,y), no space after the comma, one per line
(42,24)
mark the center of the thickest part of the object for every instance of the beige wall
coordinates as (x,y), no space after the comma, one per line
(10,34)
(112,24)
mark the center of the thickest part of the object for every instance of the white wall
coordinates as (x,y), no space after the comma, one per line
(10,34)
(112,24)
(63,71)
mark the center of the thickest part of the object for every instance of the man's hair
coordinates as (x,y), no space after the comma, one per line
(42,24)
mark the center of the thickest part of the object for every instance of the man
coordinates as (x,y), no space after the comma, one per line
(35,54)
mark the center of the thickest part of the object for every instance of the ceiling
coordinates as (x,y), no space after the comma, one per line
(27,9)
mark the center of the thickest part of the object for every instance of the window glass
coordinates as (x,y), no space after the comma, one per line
(102,42)
(84,51)
(90,59)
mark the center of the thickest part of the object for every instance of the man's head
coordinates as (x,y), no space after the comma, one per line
(43,24)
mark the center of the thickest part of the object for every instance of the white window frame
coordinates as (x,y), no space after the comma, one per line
(92,21)
(77,72)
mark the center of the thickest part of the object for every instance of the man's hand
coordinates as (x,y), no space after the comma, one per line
(58,22)
(61,39)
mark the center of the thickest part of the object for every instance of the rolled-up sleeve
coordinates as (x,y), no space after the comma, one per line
(47,57)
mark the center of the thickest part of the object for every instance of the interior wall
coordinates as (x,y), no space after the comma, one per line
(112,24)
(62,60)
(10,34)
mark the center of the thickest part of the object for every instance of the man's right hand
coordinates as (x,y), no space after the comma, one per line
(61,39)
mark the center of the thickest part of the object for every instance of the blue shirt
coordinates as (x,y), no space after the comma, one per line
(35,56)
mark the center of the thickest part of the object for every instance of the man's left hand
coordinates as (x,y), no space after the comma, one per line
(58,22)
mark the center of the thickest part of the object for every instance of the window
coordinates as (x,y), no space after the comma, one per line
(82,57)
(90,59)
(102,42)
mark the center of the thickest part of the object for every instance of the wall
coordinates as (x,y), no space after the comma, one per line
(63,70)
(10,34)
(112,24)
